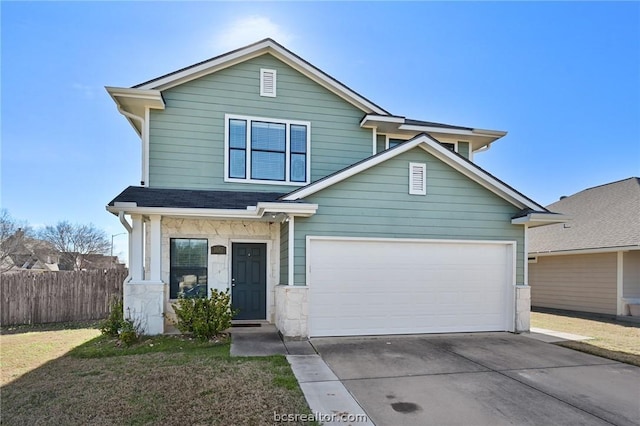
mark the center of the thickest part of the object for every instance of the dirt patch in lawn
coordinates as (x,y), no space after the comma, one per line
(611,339)
(169,381)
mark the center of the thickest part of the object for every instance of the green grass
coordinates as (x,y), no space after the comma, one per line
(168,380)
(611,339)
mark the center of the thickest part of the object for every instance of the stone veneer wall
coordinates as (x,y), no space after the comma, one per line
(292,311)
(523,308)
(223,232)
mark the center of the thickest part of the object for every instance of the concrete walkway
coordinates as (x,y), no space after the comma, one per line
(327,397)
(551,336)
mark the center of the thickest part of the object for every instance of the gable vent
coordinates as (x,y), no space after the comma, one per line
(267,82)
(417,179)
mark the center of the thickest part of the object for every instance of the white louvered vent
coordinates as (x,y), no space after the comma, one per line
(417,179)
(267,82)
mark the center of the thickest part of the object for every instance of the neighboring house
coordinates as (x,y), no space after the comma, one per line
(29,253)
(592,263)
(320,211)
(73,260)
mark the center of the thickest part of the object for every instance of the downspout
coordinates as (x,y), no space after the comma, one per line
(128,227)
(141,121)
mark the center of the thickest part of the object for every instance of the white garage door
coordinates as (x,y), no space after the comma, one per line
(374,286)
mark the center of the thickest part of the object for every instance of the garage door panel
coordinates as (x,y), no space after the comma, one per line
(388,287)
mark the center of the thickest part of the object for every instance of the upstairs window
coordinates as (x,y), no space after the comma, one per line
(263,150)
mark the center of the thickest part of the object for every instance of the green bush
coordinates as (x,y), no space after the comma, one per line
(125,329)
(113,323)
(204,318)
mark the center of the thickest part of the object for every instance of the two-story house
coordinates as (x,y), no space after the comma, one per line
(319,210)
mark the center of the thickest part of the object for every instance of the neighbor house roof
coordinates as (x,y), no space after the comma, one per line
(604,217)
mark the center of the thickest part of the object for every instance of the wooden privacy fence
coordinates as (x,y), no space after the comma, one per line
(40,297)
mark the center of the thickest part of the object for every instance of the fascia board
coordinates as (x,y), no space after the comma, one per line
(250,213)
(539,219)
(584,251)
(294,209)
(380,118)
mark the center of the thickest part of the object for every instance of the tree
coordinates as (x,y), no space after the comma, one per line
(75,242)
(12,239)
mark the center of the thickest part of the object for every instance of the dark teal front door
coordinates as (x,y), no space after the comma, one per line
(249,280)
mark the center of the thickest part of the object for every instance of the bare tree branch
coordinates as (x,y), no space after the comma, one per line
(75,241)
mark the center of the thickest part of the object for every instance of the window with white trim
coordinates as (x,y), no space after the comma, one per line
(265,150)
(417,178)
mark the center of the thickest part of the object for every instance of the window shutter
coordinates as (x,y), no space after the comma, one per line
(417,178)
(267,82)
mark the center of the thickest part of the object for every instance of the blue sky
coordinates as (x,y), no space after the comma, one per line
(562,78)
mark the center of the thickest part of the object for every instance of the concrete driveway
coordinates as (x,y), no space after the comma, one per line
(481,379)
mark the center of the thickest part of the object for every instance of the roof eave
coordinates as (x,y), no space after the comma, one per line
(536,219)
(251,212)
(133,102)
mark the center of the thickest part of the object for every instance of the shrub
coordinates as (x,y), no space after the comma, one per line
(113,323)
(204,318)
(116,325)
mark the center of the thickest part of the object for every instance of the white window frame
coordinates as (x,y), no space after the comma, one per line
(287,123)
(264,71)
(423,190)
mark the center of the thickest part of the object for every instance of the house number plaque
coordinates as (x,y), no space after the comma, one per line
(218,250)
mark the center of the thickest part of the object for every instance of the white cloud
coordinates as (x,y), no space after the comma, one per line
(85,90)
(248,30)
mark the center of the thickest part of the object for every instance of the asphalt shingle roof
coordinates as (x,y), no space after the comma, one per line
(603,216)
(190,198)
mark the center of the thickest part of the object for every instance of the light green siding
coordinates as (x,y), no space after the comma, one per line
(381,143)
(463,149)
(186,146)
(284,253)
(376,203)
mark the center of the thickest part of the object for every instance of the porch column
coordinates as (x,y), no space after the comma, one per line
(136,260)
(155,249)
(291,241)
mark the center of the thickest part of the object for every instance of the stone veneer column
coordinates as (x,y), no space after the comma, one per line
(292,311)
(523,308)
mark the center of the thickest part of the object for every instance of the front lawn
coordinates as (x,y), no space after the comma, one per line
(167,380)
(611,339)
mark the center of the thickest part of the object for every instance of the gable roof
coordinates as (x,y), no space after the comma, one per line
(603,217)
(257,49)
(436,149)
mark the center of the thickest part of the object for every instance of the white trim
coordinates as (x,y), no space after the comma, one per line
(374,131)
(433,147)
(136,255)
(258,212)
(585,251)
(145,145)
(263,91)
(271,47)
(538,218)
(268,282)
(620,283)
(291,253)
(248,119)
(526,250)
(413,168)
(383,118)
(155,248)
